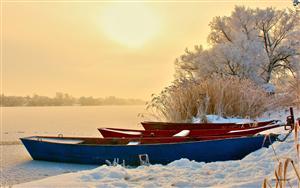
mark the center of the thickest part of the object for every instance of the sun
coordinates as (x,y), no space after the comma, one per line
(130,24)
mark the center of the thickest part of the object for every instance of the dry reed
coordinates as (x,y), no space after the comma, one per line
(282,169)
(288,93)
(224,96)
(294,91)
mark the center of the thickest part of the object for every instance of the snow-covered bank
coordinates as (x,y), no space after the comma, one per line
(248,172)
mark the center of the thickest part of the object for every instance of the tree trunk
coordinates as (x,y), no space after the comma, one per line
(269,74)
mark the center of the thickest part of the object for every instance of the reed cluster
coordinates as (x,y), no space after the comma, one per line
(224,96)
(294,91)
(281,171)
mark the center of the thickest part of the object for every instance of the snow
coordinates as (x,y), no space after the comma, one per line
(133,143)
(248,172)
(219,119)
(57,140)
(182,133)
(270,88)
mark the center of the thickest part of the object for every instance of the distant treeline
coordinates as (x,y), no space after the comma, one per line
(64,99)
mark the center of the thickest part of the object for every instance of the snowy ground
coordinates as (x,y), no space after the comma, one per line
(248,172)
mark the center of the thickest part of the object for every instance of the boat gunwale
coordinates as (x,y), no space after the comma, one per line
(209,123)
(139,145)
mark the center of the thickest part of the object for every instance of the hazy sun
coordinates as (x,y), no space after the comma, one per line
(130,24)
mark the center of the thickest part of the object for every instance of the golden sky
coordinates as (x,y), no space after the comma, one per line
(99,48)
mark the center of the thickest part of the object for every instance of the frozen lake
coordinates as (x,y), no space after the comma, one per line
(16,164)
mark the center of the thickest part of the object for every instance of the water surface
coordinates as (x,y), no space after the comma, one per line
(16,164)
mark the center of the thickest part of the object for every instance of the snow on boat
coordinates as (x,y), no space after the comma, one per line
(138,151)
(199,126)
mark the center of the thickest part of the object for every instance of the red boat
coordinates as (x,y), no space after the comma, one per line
(201,126)
(130,133)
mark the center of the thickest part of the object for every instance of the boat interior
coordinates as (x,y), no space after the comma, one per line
(122,141)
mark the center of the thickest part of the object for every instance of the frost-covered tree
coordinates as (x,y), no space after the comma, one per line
(250,43)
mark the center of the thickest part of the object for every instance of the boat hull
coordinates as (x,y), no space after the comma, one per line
(201,151)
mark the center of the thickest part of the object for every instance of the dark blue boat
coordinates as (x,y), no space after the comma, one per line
(131,152)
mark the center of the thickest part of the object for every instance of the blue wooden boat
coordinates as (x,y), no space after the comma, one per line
(133,151)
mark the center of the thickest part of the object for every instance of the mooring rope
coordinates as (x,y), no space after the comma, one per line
(286,136)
